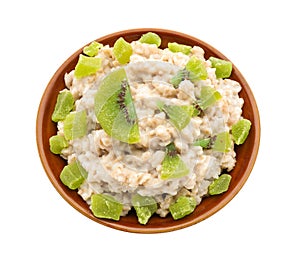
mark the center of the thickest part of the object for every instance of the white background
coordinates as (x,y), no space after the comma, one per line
(259,226)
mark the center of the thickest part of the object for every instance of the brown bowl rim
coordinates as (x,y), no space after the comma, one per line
(136,228)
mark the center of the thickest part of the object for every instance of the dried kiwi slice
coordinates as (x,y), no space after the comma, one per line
(114,108)
(179,77)
(208,97)
(179,116)
(222,143)
(194,71)
(204,143)
(172,164)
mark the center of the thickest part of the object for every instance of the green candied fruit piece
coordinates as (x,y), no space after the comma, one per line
(87,66)
(172,165)
(222,142)
(75,125)
(114,108)
(92,49)
(122,50)
(208,97)
(64,104)
(106,206)
(73,175)
(144,206)
(240,131)
(151,38)
(182,207)
(223,68)
(57,144)
(175,47)
(196,68)
(179,116)
(219,185)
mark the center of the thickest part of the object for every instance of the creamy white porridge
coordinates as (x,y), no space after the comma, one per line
(120,169)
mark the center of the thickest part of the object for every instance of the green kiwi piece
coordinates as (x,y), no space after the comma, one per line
(219,185)
(106,206)
(73,175)
(182,207)
(172,165)
(114,108)
(64,104)
(144,206)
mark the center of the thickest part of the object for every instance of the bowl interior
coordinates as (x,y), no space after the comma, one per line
(53,164)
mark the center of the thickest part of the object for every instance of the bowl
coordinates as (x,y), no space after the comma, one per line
(53,164)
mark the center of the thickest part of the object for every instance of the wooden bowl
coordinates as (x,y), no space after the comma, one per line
(53,164)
